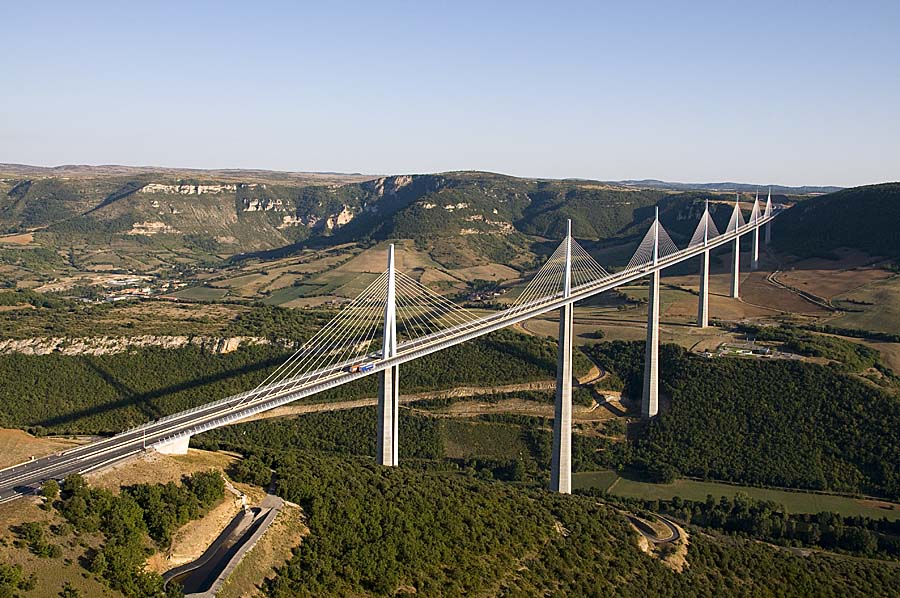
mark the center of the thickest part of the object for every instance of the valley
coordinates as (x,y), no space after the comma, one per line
(110,321)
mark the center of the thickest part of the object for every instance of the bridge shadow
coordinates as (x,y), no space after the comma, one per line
(144,401)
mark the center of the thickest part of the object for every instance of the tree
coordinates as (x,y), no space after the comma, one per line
(50,490)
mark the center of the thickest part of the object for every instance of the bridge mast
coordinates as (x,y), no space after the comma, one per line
(703,305)
(766,214)
(754,251)
(736,251)
(561,461)
(388,382)
(650,397)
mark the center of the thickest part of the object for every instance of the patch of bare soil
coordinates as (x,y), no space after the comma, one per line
(154,468)
(17,446)
(20,239)
(676,559)
(193,538)
(878,504)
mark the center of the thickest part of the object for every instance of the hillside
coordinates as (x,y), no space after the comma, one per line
(862,217)
(149,217)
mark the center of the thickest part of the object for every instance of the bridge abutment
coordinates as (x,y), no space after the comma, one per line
(177,446)
(703,301)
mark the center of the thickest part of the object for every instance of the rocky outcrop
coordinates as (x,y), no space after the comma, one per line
(106,345)
(150,228)
(340,219)
(188,189)
(390,185)
(253,204)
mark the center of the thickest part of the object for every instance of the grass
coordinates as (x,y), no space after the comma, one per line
(793,502)
(202,293)
(17,446)
(884,313)
(286,294)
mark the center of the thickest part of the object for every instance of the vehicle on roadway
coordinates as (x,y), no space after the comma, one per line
(362,367)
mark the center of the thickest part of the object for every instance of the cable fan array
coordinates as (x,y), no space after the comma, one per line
(547,282)
(706,230)
(354,337)
(643,255)
(737,218)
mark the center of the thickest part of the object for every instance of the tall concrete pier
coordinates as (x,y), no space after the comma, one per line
(736,268)
(754,248)
(767,213)
(703,301)
(386,452)
(754,251)
(650,395)
(561,461)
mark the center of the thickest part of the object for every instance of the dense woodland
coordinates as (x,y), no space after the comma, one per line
(778,422)
(373,531)
(862,217)
(109,393)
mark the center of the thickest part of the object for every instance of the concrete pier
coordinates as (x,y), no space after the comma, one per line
(768,232)
(386,452)
(561,464)
(703,301)
(736,269)
(561,460)
(650,398)
(754,251)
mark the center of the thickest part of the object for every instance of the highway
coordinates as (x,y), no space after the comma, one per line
(26,477)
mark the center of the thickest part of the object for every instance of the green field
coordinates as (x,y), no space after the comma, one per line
(668,295)
(202,293)
(793,502)
(884,313)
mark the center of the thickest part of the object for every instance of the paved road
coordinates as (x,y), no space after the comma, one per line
(27,477)
(645,530)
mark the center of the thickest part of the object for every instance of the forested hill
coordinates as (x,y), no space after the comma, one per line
(480,214)
(864,218)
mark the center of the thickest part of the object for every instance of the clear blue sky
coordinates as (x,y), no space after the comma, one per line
(780,92)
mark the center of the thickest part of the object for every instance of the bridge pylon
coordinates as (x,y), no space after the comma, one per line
(736,251)
(766,214)
(703,301)
(561,460)
(389,379)
(754,249)
(650,395)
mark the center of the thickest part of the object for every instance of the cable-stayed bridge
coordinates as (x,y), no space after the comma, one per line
(396,319)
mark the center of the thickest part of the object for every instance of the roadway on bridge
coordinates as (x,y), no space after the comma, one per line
(27,477)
